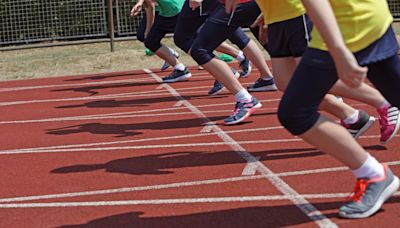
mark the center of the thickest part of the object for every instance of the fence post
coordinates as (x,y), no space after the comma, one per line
(111,24)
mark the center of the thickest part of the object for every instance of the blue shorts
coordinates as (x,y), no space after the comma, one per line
(289,38)
(221,26)
(316,74)
(190,21)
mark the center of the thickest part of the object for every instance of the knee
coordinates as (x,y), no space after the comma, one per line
(297,120)
(152,45)
(200,54)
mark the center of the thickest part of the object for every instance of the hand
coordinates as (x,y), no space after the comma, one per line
(262,29)
(348,69)
(230,5)
(136,9)
(193,4)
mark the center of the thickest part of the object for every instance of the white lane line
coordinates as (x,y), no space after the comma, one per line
(161,146)
(117,116)
(142,140)
(184,201)
(176,185)
(308,209)
(19,88)
(114,115)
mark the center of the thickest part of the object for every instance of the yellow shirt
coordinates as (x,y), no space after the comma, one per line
(280,10)
(361,21)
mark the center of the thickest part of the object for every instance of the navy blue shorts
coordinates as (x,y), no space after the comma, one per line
(162,26)
(289,38)
(221,26)
(190,21)
(316,74)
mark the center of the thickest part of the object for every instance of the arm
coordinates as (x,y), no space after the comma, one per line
(322,15)
(262,29)
(150,15)
(137,8)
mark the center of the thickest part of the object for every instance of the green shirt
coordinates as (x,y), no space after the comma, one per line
(170,8)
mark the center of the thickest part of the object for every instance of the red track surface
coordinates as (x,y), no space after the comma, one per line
(119,150)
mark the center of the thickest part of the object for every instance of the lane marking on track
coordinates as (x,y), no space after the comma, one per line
(181,201)
(117,115)
(160,146)
(176,185)
(308,209)
(20,88)
(143,140)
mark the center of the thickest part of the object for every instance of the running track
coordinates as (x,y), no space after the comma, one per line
(123,150)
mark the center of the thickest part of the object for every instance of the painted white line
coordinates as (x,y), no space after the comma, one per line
(163,146)
(182,201)
(142,140)
(308,209)
(119,115)
(160,146)
(176,185)
(134,74)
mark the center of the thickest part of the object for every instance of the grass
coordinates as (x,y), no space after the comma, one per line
(84,59)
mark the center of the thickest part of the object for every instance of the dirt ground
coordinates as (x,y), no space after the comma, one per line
(83,59)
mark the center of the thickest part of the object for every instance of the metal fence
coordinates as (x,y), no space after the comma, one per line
(394,6)
(33,21)
(26,21)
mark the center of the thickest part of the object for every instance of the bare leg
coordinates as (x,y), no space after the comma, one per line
(345,148)
(253,53)
(164,53)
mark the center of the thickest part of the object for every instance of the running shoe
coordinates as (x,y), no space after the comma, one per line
(177,75)
(363,123)
(166,64)
(369,195)
(262,85)
(389,121)
(218,87)
(245,66)
(242,111)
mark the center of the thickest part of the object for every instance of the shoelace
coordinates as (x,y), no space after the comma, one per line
(359,190)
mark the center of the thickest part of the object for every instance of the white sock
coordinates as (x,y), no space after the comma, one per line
(352,118)
(370,169)
(179,67)
(240,57)
(243,96)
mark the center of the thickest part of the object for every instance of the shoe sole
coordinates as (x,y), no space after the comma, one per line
(371,121)
(386,194)
(247,74)
(251,111)
(263,89)
(181,78)
(396,129)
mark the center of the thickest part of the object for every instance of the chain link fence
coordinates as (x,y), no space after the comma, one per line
(33,21)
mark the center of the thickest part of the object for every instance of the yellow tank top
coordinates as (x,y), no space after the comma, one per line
(280,10)
(361,21)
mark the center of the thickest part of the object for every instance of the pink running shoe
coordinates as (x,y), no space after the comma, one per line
(389,121)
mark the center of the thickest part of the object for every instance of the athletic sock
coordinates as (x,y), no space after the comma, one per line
(352,118)
(370,169)
(243,96)
(240,57)
(179,67)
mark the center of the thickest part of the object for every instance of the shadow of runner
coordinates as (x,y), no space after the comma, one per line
(159,164)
